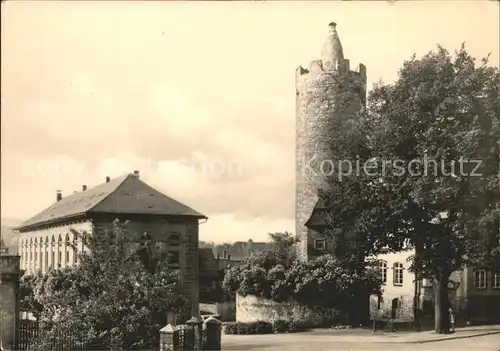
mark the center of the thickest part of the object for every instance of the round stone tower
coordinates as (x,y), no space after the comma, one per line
(328,95)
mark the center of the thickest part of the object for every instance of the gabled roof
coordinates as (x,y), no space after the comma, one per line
(317,220)
(123,195)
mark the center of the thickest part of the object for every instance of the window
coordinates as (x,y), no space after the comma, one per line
(59,259)
(480,279)
(383,271)
(398,274)
(53,259)
(46,260)
(174,240)
(67,257)
(174,258)
(320,244)
(496,280)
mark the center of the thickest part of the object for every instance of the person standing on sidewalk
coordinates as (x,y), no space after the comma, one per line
(452,320)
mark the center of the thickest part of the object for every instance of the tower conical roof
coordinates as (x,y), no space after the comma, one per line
(332,48)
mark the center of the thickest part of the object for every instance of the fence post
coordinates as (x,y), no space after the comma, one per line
(168,338)
(214,331)
(195,325)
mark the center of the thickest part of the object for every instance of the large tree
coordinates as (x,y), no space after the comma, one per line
(428,157)
(117,297)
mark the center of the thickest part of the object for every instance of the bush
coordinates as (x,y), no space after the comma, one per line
(252,328)
(288,326)
(262,327)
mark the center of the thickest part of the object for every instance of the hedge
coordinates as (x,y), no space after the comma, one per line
(263,327)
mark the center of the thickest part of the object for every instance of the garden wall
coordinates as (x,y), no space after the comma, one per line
(226,311)
(252,308)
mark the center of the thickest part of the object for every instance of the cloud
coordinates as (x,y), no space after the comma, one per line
(204,108)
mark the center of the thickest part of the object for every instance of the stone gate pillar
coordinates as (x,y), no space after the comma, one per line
(9,300)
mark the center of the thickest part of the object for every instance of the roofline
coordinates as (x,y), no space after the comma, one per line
(25,228)
(198,216)
(84,215)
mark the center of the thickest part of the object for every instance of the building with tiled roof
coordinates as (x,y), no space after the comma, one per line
(45,237)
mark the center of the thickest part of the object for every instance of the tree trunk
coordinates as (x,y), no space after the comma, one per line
(441,305)
(417,288)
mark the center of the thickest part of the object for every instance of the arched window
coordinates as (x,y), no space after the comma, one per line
(46,266)
(36,251)
(66,246)
(398,274)
(53,253)
(23,253)
(30,250)
(383,271)
(174,240)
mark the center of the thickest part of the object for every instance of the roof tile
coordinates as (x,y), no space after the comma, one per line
(124,195)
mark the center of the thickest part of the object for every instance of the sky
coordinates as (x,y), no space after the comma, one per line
(197,96)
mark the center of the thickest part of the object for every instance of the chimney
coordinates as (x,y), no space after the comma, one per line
(107,179)
(59,195)
(136,173)
(84,187)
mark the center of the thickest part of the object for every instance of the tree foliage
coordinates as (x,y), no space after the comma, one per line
(277,275)
(418,143)
(117,297)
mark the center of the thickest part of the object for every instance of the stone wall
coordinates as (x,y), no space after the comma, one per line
(226,311)
(9,300)
(404,312)
(252,308)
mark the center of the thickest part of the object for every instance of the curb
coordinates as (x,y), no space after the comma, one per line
(453,338)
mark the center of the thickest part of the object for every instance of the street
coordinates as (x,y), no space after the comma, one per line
(483,343)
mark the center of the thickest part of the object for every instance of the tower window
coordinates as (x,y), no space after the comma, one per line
(320,244)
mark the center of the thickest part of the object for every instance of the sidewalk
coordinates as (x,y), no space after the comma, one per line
(404,336)
(364,336)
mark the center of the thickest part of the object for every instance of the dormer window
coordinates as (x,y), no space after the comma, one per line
(320,244)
